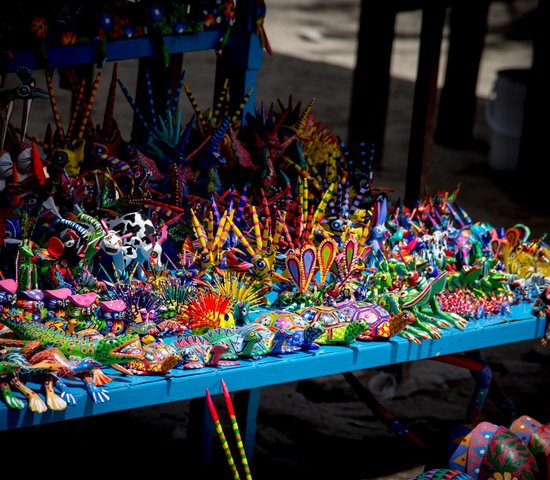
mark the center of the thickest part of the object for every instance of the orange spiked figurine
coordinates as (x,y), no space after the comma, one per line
(209,310)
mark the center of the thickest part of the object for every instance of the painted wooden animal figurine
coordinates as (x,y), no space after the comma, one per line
(132,240)
(8,294)
(56,302)
(82,369)
(209,310)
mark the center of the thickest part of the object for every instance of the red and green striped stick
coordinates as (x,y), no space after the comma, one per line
(236,430)
(221,435)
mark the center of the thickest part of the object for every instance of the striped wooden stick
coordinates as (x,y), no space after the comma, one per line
(236,430)
(221,435)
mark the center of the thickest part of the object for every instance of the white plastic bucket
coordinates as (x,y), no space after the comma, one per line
(504,115)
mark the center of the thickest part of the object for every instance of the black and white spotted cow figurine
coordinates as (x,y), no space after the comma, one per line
(132,238)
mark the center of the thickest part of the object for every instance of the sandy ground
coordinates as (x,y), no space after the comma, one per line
(319,428)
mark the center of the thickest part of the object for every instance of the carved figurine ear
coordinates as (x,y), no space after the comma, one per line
(383,212)
(294,269)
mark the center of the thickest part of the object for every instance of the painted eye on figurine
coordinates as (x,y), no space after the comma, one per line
(60,159)
(70,243)
(260,264)
(59,303)
(84,311)
(403,294)
(10,298)
(204,258)
(364,183)
(119,243)
(31,202)
(99,150)
(383,277)
(23,91)
(244,311)
(337,225)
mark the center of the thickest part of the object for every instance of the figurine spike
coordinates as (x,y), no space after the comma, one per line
(222,236)
(55,108)
(242,203)
(150,97)
(257,231)
(77,108)
(223,97)
(219,133)
(177,93)
(194,104)
(6,118)
(182,143)
(88,109)
(302,121)
(215,208)
(243,240)
(199,231)
(134,106)
(210,227)
(323,204)
(239,110)
(108,118)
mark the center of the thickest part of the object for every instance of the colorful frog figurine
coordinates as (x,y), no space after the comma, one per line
(31,302)
(110,315)
(55,302)
(80,311)
(8,294)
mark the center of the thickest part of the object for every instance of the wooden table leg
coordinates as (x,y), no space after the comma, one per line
(425,93)
(246,410)
(241,59)
(458,100)
(200,431)
(371,77)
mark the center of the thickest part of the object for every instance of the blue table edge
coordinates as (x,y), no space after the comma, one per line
(143,391)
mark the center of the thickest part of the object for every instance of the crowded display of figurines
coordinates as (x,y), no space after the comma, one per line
(217,240)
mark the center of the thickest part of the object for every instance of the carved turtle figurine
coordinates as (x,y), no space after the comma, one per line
(268,342)
(232,338)
(159,359)
(197,352)
(339,329)
(302,333)
(380,322)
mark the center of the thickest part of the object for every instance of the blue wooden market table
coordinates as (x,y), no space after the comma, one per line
(142,391)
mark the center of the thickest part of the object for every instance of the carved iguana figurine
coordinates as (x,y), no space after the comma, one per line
(107,351)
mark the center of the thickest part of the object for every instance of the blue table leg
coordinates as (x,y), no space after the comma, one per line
(200,430)
(241,59)
(246,410)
